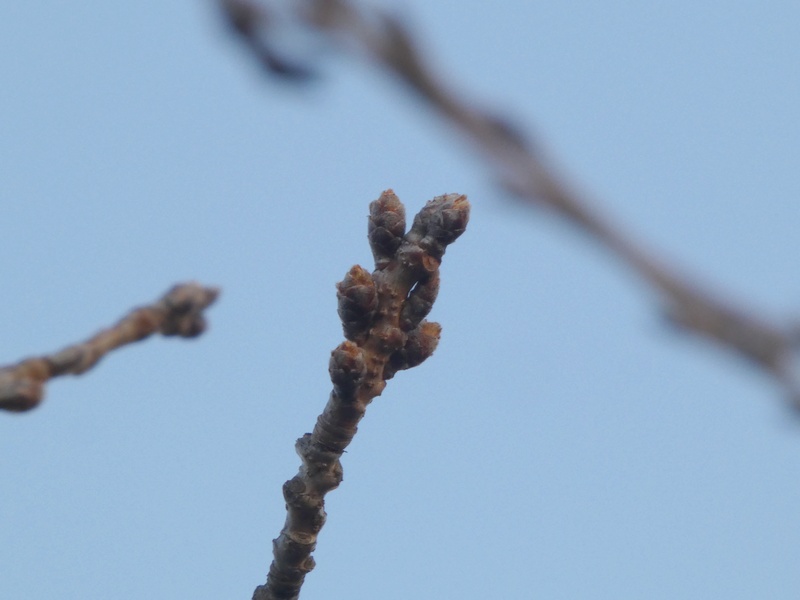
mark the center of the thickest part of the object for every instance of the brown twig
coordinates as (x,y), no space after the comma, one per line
(383,318)
(178,312)
(523,169)
(254,23)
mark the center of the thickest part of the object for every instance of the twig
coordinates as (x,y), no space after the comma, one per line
(523,169)
(255,24)
(178,312)
(383,317)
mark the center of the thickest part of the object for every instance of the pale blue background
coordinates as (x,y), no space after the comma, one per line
(561,443)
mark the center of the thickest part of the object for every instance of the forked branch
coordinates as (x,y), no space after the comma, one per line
(383,318)
(178,312)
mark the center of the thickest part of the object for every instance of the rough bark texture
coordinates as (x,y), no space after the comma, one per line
(383,320)
(178,312)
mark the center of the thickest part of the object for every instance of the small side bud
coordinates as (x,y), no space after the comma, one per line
(387,225)
(419,302)
(388,339)
(357,302)
(420,344)
(346,368)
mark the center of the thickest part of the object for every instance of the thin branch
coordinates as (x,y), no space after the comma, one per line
(255,26)
(179,312)
(386,332)
(523,169)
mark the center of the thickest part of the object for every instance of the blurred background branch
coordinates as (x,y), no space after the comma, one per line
(179,312)
(515,161)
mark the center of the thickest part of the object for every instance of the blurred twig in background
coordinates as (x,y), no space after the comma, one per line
(516,162)
(178,312)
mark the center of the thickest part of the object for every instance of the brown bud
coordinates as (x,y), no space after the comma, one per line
(420,344)
(357,302)
(389,339)
(346,368)
(454,217)
(439,223)
(387,225)
(19,395)
(419,302)
(184,305)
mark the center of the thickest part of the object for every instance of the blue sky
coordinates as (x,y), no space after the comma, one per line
(561,443)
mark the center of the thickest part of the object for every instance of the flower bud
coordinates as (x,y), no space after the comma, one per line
(419,302)
(346,369)
(357,302)
(387,225)
(439,223)
(420,344)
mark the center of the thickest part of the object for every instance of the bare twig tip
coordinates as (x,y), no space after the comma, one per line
(19,395)
(178,312)
(184,305)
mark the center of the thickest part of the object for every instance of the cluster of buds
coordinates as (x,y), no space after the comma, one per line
(384,312)
(383,318)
